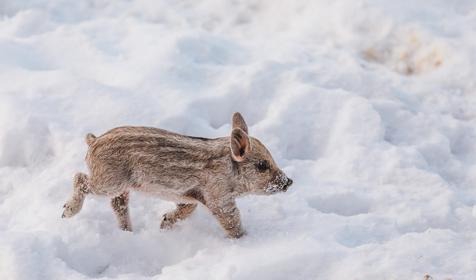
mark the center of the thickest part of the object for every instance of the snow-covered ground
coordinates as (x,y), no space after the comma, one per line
(369,105)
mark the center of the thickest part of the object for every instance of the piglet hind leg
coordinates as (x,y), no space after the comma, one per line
(120,206)
(182,211)
(80,190)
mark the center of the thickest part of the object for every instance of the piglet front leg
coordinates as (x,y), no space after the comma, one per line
(228,216)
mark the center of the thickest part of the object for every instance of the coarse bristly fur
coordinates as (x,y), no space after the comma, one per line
(184,169)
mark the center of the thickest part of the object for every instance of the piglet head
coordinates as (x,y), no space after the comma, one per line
(255,166)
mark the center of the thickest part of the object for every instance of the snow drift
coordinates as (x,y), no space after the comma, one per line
(368,105)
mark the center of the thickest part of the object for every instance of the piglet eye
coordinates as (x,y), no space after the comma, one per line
(262,165)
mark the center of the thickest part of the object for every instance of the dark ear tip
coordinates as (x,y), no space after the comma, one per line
(237,115)
(239,121)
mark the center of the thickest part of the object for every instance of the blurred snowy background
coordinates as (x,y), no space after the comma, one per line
(369,105)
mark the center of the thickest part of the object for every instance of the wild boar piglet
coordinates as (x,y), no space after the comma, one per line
(184,169)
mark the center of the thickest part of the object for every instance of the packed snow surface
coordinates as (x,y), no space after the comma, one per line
(369,105)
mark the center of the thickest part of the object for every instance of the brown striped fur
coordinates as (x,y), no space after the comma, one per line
(184,169)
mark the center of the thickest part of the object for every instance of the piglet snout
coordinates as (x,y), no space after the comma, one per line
(289,182)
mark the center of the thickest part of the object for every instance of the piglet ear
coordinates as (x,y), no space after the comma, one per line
(239,122)
(240,144)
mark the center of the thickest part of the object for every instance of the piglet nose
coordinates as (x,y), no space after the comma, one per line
(290,182)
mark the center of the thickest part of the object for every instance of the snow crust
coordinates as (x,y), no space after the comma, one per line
(369,106)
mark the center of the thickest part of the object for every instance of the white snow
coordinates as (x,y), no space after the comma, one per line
(368,105)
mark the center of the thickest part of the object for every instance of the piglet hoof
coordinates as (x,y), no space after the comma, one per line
(167,222)
(126,228)
(236,234)
(69,210)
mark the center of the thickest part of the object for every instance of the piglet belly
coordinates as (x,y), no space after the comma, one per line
(164,192)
